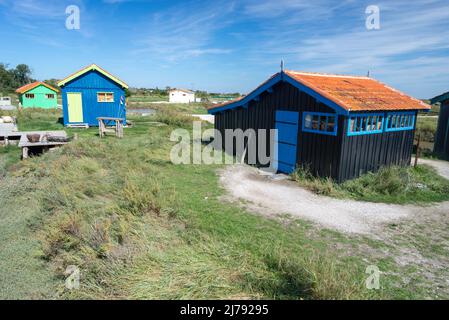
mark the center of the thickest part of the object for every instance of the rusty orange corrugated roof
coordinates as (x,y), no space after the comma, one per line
(352,93)
(355,93)
(33,85)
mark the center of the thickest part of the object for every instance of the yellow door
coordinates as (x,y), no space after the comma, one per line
(75,107)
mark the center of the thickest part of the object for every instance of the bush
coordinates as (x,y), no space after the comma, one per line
(173,118)
(312,275)
(390,185)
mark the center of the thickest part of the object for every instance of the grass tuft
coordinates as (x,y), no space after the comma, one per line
(393,184)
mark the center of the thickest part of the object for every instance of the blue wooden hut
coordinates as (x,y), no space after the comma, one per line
(90,93)
(336,126)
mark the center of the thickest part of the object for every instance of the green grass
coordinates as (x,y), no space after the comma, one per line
(427,127)
(140,227)
(420,185)
(185,108)
(149,98)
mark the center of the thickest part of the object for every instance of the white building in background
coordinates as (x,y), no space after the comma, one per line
(181,96)
(5,101)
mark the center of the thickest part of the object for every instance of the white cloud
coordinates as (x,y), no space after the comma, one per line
(408,51)
(185,31)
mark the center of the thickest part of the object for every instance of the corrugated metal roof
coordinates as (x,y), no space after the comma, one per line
(358,93)
(33,85)
(353,93)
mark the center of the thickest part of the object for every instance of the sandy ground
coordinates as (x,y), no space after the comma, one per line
(205,117)
(271,197)
(442,167)
(414,237)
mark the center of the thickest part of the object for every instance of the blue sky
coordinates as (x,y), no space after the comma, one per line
(231,45)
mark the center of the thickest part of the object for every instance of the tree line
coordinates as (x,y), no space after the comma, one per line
(13,78)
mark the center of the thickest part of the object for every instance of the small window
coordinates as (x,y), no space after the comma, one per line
(317,122)
(400,121)
(50,96)
(29,95)
(330,124)
(105,97)
(308,121)
(365,124)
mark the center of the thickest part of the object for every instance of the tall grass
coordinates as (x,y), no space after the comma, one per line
(174,119)
(140,227)
(389,185)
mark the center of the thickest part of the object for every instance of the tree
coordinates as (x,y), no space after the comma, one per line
(6,78)
(53,83)
(22,74)
(11,79)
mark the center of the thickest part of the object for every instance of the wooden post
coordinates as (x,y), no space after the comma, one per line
(24,152)
(100,127)
(418,149)
(120,128)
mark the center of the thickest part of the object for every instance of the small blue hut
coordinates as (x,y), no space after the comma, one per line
(91,93)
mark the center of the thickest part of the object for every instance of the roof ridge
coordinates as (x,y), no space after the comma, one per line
(88,68)
(29,86)
(320,74)
(337,90)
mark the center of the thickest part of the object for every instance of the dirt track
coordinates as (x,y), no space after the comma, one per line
(272,198)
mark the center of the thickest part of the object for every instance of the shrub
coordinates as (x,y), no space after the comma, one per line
(174,119)
(390,185)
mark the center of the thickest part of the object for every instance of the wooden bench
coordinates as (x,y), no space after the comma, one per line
(47,140)
(118,126)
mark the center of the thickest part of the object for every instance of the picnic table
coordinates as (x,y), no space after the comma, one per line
(118,126)
(8,130)
(47,140)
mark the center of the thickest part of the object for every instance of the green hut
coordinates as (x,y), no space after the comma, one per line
(38,95)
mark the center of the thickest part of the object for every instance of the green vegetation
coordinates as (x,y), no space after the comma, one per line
(147,98)
(401,185)
(13,78)
(139,227)
(186,108)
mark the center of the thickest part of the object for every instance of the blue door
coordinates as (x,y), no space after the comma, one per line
(286,141)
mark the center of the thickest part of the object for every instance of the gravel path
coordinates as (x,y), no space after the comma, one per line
(442,167)
(269,197)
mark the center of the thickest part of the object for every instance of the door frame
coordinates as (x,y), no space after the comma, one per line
(68,107)
(286,140)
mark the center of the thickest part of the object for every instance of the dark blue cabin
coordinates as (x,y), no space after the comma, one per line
(91,93)
(441,147)
(336,126)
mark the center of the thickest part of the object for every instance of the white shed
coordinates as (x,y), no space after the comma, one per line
(181,96)
(5,101)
